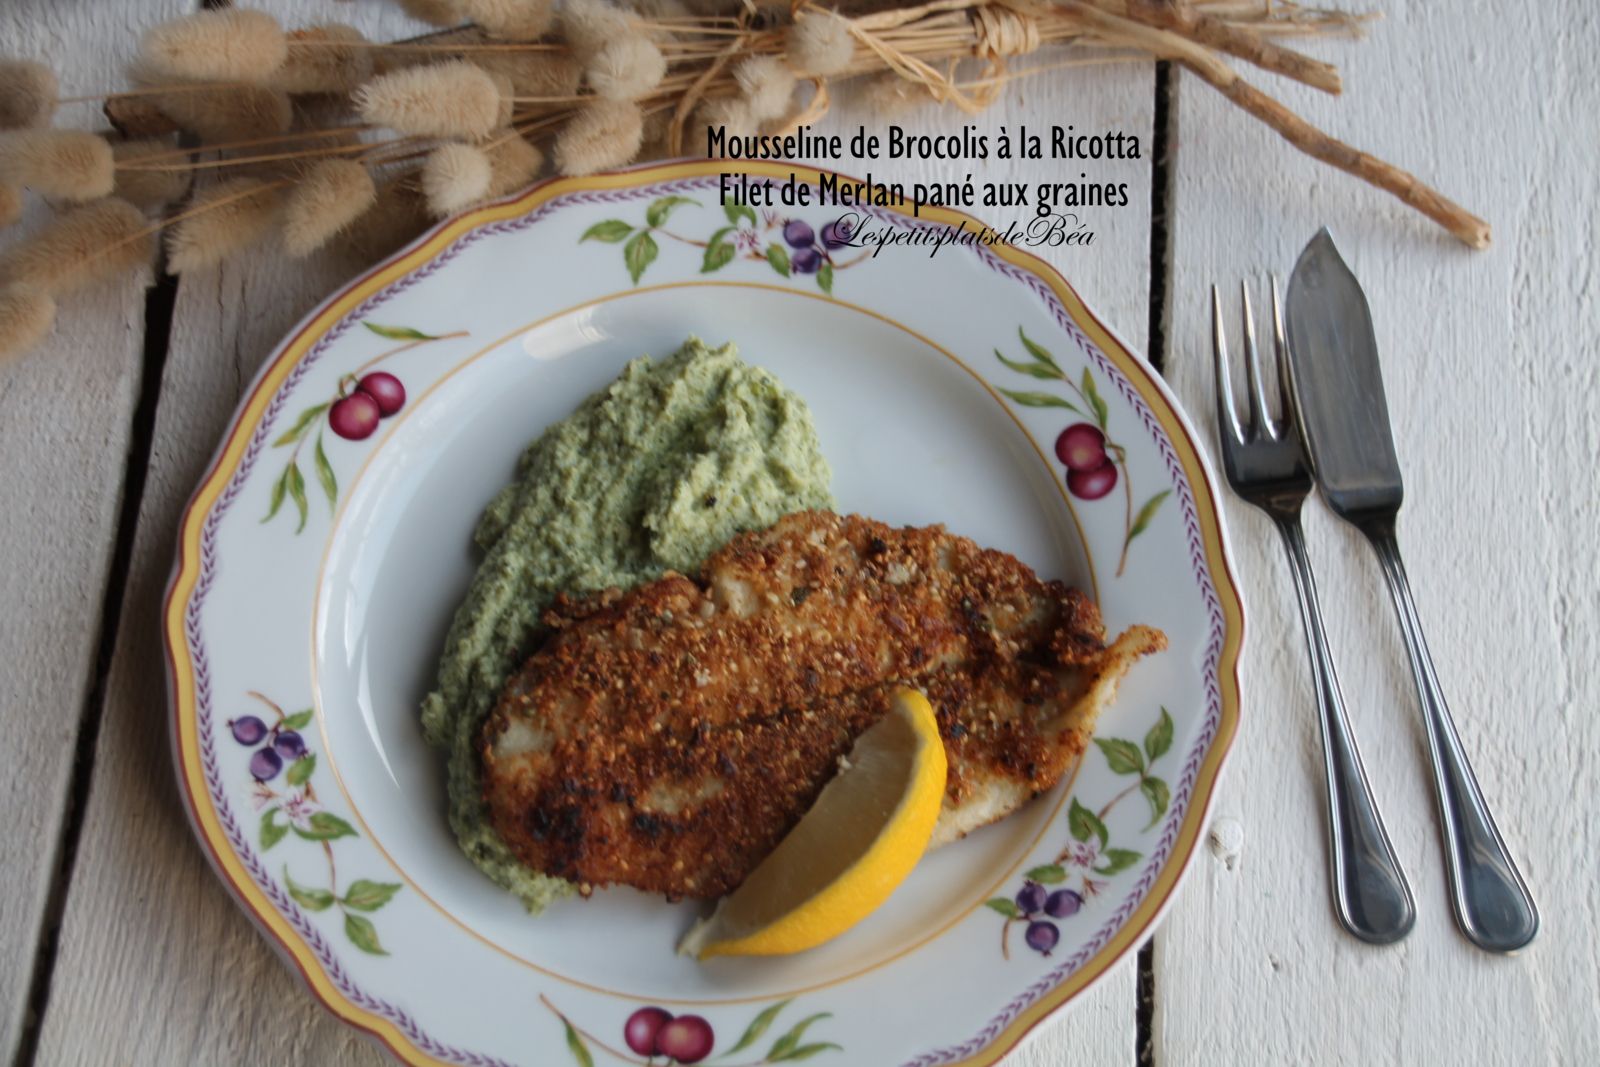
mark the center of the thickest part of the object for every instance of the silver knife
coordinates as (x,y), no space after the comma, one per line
(1333,369)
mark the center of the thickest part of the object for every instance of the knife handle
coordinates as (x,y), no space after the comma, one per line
(1491,902)
(1370,893)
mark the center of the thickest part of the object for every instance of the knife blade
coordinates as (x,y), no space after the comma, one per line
(1334,372)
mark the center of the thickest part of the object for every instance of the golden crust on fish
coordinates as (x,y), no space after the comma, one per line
(667,738)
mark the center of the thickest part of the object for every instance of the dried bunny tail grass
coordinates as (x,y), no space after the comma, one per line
(27,94)
(70,164)
(767,84)
(653,134)
(604,134)
(84,245)
(331,195)
(434,12)
(324,59)
(890,96)
(236,113)
(455,176)
(26,315)
(147,189)
(10,204)
(534,73)
(589,25)
(626,68)
(508,106)
(226,218)
(819,43)
(395,217)
(513,162)
(451,99)
(229,44)
(662,9)
(732,113)
(511,20)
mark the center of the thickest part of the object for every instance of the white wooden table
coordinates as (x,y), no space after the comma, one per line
(118,946)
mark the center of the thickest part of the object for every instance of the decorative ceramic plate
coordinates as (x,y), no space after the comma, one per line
(318,569)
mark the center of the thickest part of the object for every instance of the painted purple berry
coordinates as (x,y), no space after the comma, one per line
(386,389)
(806,261)
(1042,936)
(248,730)
(798,234)
(355,417)
(290,745)
(1031,898)
(265,765)
(1082,447)
(687,1039)
(837,234)
(1063,903)
(1092,485)
(642,1029)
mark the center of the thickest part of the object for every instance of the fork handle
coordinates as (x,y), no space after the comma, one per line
(1491,902)
(1370,893)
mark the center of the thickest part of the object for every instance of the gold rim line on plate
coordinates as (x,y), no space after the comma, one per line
(327,743)
(181,680)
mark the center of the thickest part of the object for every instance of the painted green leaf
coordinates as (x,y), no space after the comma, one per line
(658,211)
(297,493)
(1049,874)
(399,333)
(306,896)
(301,769)
(1156,792)
(789,1042)
(778,256)
(365,895)
(580,1051)
(1123,757)
(1082,822)
(805,1052)
(1033,370)
(639,253)
(825,277)
(1004,906)
(298,721)
(1039,353)
(1038,400)
(278,488)
(758,1026)
(301,425)
(330,484)
(362,934)
(325,826)
(1117,859)
(610,231)
(735,212)
(1146,513)
(1159,739)
(272,831)
(1090,394)
(718,255)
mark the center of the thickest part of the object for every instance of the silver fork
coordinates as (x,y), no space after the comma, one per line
(1266,465)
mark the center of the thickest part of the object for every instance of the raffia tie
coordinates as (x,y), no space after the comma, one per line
(1002,32)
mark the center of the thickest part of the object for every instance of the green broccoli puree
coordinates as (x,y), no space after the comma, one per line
(652,473)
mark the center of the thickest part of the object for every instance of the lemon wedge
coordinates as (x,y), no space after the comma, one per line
(861,839)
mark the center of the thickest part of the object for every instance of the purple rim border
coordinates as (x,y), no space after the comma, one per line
(323,950)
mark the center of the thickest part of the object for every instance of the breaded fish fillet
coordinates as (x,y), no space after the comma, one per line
(668,738)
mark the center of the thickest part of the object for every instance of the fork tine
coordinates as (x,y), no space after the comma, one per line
(1227,414)
(1280,345)
(1260,411)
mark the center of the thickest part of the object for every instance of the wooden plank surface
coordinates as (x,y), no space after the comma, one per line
(149,934)
(65,413)
(1489,368)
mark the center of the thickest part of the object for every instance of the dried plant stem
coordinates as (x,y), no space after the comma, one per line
(1237,41)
